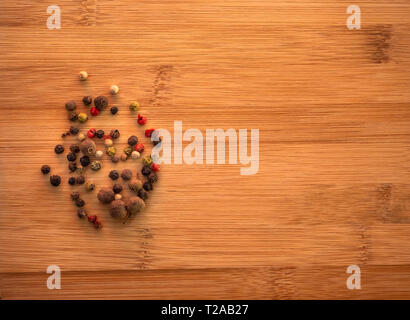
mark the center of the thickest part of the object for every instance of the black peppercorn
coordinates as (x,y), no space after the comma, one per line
(115,134)
(152,177)
(114,110)
(87,100)
(114,175)
(75,195)
(74,130)
(146,170)
(99,134)
(75,148)
(73,116)
(147,186)
(142,194)
(45,169)
(85,161)
(71,156)
(65,134)
(80,180)
(71,181)
(72,166)
(79,202)
(59,149)
(101,103)
(70,106)
(133,140)
(82,213)
(55,180)
(117,188)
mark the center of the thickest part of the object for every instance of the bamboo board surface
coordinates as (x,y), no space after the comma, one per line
(333,110)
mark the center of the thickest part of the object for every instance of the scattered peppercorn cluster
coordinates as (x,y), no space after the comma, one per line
(89,155)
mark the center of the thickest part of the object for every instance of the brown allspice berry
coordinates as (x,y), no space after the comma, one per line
(105,195)
(135,205)
(118,209)
(126,174)
(123,157)
(115,159)
(88,147)
(133,140)
(70,106)
(101,103)
(114,134)
(80,180)
(135,185)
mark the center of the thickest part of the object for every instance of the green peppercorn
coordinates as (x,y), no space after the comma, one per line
(45,169)
(134,106)
(70,106)
(111,151)
(147,161)
(128,151)
(59,149)
(55,180)
(82,117)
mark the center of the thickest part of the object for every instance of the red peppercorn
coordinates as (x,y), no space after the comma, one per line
(94,111)
(149,132)
(91,133)
(107,136)
(155,167)
(92,219)
(97,224)
(139,147)
(141,120)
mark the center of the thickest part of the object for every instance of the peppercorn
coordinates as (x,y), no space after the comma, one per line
(83,75)
(143,194)
(87,100)
(115,134)
(81,213)
(118,196)
(72,166)
(65,134)
(135,185)
(141,120)
(101,103)
(147,186)
(134,106)
(81,137)
(114,175)
(75,148)
(114,110)
(92,219)
(98,224)
(114,89)
(135,205)
(96,165)
(85,161)
(88,147)
(155,167)
(59,149)
(55,180)
(75,195)
(99,134)
(71,181)
(126,174)
(105,195)
(139,147)
(111,151)
(80,180)
(70,106)
(117,188)
(149,132)
(99,154)
(71,156)
(118,209)
(146,171)
(82,117)
(45,169)
(128,151)
(91,133)
(73,116)
(108,142)
(147,160)
(152,177)
(132,140)
(124,157)
(135,155)
(89,186)
(94,111)
(79,203)
(115,159)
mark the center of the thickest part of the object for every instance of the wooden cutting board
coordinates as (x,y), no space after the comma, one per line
(332,106)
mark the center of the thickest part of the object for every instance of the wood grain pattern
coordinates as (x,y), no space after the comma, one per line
(332,107)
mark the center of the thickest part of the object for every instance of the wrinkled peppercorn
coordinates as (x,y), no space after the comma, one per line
(91,133)
(147,161)
(71,181)
(134,106)
(79,203)
(133,140)
(96,165)
(70,106)
(101,103)
(114,175)
(111,151)
(87,100)
(82,213)
(114,110)
(146,171)
(139,147)
(85,161)
(55,180)
(65,134)
(117,188)
(128,151)
(74,130)
(152,177)
(75,195)
(115,134)
(45,169)
(99,134)
(126,174)
(75,148)
(72,166)
(73,116)
(142,120)
(71,156)
(142,194)
(80,180)
(59,149)
(147,186)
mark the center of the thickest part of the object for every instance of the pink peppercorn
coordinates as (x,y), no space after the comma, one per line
(91,133)
(92,219)
(139,147)
(155,167)
(149,132)
(94,111)
(141,120)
